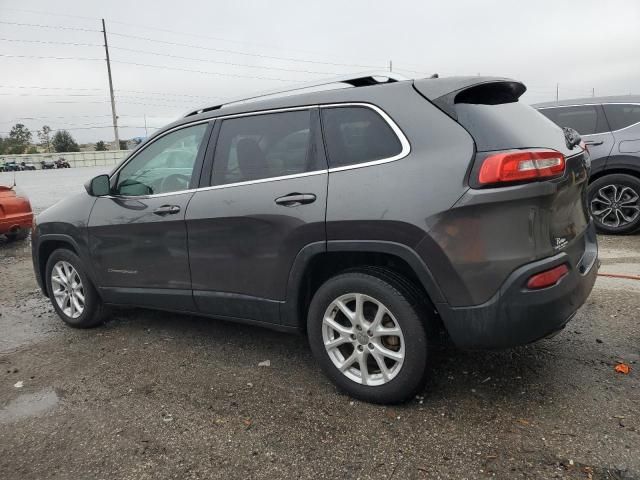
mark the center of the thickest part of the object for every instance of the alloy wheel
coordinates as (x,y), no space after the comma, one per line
(68,290)
(615,205)
(363,339)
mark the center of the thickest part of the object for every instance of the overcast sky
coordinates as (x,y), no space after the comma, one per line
(579,44)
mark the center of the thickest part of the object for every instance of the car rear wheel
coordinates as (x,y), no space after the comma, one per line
(72,294)
(367,332)
(614,201)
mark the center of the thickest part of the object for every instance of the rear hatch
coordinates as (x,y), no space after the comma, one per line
(490,111)
(527,181)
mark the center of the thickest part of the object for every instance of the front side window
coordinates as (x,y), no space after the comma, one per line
(164,166)
(622,115)
(357,135)
(585,119)
(263,146)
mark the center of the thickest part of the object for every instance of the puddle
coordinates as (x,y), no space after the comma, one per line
(29,405)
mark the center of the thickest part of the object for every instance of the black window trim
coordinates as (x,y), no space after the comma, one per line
(598,107)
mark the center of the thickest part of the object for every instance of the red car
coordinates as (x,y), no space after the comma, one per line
(15,214)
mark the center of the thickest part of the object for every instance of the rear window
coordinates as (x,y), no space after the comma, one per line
(585,119)
(356,135)
(509,125)
(622,115)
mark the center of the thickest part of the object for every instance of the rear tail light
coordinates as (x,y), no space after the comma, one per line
(547,278)
(521,165)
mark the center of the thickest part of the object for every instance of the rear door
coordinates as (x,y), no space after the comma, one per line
(591,123)
(265,203)
(137,234)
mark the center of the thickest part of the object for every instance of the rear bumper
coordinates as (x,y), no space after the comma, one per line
(516,315)
(22,221)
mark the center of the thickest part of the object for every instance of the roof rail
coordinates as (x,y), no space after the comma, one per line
(354,80)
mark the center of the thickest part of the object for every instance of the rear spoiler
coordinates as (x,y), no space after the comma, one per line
(446,92)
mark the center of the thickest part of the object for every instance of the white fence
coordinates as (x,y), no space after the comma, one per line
(75,159)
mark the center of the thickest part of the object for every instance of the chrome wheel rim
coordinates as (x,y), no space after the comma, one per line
(67,288)
(363,339)
(616,206)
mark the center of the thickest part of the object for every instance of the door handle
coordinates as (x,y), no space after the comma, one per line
(295,199)
(167,210)
(593,142)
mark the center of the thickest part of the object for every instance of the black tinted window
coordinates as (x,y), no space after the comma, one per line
(622,115)
(585,119)
(263,146)
(356,135)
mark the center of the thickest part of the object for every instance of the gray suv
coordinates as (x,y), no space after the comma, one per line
(610,127)
(368,213)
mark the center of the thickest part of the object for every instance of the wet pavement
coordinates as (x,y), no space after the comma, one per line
(156,395)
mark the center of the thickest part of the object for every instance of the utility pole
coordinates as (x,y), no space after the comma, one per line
(593,92)
(113,100)
(145,125)
(390,65)
(557,91)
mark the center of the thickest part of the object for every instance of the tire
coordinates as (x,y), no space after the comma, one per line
(21,234)
(623,193)
(405,373)
(93,310)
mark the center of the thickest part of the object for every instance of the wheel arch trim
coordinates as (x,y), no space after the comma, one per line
(289,308)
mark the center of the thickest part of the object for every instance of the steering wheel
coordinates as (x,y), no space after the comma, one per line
(174,183)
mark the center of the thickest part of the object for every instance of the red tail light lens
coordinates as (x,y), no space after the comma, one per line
(517,166)
(547,278)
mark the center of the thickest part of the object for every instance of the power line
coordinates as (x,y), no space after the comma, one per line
(50,42)
(51,94)
(56,27)
(47,57)
(222,62)
(166,30)
(35,87)
(163,67)
(236,52)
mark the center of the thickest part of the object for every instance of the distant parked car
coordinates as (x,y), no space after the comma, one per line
(12,167)
(15,214)
(62,163)
(28,166)
(610,127)
(48,164)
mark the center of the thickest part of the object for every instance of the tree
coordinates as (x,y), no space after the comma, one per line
(123,145)
(101,146)
(2,145)
(44,134)
(19,138)
(63,142)
(32,149)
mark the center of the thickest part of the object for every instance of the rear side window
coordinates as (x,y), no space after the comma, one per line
(264,146)
(585,119)
(622,115)
(356,135)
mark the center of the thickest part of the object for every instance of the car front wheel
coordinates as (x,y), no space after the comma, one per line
(367,332)
(72,294)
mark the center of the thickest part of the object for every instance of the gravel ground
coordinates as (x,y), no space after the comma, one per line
(156,395)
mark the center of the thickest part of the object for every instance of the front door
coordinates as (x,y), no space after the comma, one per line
(266,202)
(137,235)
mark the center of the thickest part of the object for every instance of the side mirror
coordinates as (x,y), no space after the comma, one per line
(98,186)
